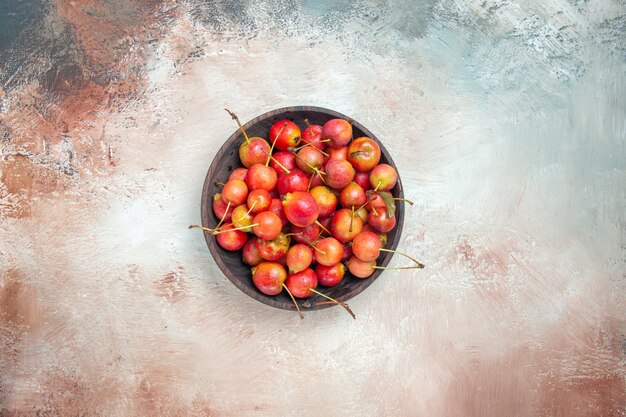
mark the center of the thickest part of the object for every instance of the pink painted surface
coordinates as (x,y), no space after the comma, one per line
(506,121)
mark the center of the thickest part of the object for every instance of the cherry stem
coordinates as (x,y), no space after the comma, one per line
(217,184)
(217,232)
(276,160)
(378,185)
(306,122)
(375,212)
(351,220)
(419,264)
(243,216)
(316,248)
(344,305)
(293,234)
(274,143)
(322,226)
(294,301)
(404,199)
(195,226)
(315,169)
(251,207)
(223,216)
(309,144)
(234,116)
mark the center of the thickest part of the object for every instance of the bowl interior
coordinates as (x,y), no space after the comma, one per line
(227,159)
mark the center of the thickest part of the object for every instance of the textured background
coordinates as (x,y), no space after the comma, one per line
(507,122)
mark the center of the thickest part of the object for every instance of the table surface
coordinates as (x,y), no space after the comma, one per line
(507,123)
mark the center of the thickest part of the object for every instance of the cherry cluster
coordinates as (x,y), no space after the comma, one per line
(307,206)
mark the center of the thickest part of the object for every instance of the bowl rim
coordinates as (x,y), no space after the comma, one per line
(206,210)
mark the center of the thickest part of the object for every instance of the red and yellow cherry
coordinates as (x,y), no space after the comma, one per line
(309,158)
(238,174)
(329,276)
(284,158)
(313,136)
(221,209)
(363,179)
(273,250)
(267,225)
(338,153)
(235,192)
(381,223)
(259,200)
(229,239)
(261,177)
(339,132)
(352,195)
(344,227)
(300,208)
(366,246)
(269,277)
(361,269)
(326,200)
(301,284)
(250,253)
(284,134)
(254,152)
(328,251)
(383,177)
(363,154)
(339,173)
(299,257)
(277,207)
(242,218)
(295,180)
(307,234)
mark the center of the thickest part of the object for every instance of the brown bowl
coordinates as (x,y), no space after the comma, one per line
(227,159)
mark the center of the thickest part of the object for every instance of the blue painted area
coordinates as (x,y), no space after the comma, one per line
(15,16)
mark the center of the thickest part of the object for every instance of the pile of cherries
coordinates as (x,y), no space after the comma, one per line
(306,207)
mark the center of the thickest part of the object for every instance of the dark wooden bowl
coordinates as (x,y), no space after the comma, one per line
(227,159)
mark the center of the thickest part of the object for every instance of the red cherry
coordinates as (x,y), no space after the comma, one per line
(366,246)
(328,251)
(313,135)
(329,276)
(269,277)
(300,283)
(289,135)
(300,208)
(268,225)
(295,180)
(238,174)
(261,177)
(338,131)
(235,192)
(231,240)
